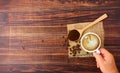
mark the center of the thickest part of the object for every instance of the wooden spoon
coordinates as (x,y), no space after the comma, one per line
(77,33)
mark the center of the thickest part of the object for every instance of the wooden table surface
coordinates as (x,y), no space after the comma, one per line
(33,34)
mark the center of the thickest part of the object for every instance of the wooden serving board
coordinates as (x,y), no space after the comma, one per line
(74,48)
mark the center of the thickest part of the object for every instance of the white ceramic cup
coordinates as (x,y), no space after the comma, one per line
(99,42)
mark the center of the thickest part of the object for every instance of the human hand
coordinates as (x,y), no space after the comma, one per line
(105,61)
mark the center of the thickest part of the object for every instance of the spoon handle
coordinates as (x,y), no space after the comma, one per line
(96,21)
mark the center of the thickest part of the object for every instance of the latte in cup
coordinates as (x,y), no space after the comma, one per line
(90,42)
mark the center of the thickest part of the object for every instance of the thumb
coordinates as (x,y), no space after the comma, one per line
(98,58)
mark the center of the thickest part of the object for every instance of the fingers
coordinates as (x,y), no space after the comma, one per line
(98,65)
(105,54)
(104,51)
(98,58)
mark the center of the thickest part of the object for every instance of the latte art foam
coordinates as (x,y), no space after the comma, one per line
(90,42)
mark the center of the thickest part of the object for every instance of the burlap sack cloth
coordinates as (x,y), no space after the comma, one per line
(74,48)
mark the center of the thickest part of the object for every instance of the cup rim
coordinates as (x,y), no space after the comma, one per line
(88,34)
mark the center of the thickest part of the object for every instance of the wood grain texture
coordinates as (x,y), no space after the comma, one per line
(33,34)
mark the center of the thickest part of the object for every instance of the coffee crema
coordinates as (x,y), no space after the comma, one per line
(90,42)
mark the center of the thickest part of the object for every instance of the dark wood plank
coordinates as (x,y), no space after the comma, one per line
(62,18)
(37,5)
(33,34)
